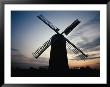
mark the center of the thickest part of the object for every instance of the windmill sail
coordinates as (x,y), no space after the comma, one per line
(41,49)
(76,50)
(41,17)
(71,48)
(71,27)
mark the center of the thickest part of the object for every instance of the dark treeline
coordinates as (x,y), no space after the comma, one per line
(43,72)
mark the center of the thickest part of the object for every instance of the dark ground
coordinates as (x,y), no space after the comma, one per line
(43,72)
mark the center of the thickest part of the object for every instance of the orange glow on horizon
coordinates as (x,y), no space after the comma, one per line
(93,63)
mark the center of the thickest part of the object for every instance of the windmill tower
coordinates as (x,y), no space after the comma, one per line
(58,55)
(58,61)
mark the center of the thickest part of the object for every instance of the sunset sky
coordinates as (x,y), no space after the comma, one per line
(28,33)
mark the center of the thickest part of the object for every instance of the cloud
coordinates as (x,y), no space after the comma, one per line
(92,21)
(86,58)
(92,49)
(87,36)
(19,60)
(89,45)
(87,31)
(13,49)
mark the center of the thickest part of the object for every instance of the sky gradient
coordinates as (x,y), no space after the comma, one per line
(28,33)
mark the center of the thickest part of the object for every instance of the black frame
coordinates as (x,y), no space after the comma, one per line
(45,2)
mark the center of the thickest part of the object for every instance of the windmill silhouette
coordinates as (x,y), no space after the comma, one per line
(58,61)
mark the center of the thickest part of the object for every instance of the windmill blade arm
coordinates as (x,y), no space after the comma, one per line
(76,47)
(71,27)
(41,49)
(47,22)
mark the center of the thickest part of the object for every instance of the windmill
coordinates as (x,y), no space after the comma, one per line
(59,42)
